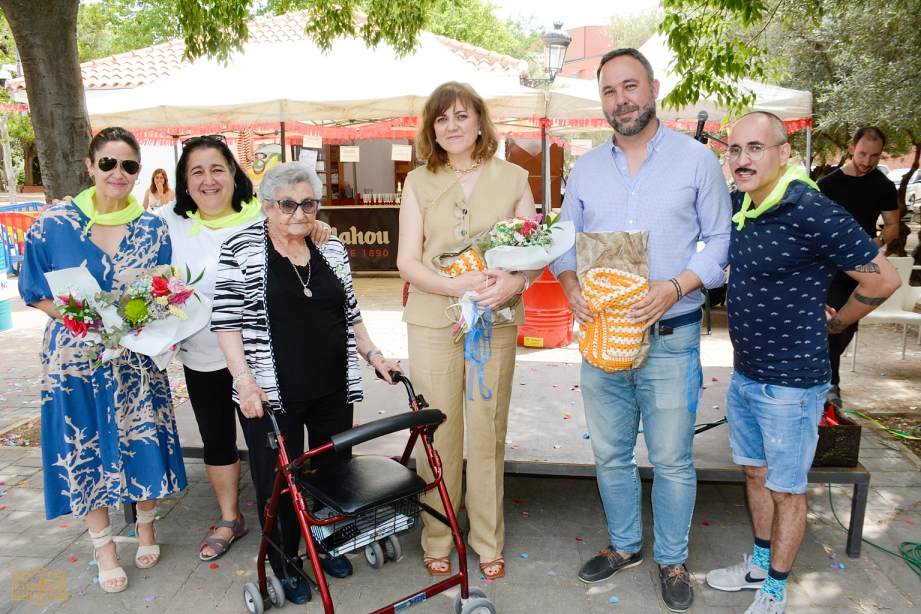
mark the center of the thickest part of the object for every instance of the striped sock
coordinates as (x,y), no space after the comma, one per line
(761,553)
(776,584)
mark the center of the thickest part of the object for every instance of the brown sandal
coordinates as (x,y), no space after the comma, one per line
(434,565)
(498,562)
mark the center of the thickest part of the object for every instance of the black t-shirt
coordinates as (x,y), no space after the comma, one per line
(309,335)
(864,198)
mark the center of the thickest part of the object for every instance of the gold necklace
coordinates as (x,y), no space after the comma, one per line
(464,171)
(307,291)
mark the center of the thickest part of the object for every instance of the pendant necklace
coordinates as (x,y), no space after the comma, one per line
(307,291)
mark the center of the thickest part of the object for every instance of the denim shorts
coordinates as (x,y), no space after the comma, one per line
(775,426)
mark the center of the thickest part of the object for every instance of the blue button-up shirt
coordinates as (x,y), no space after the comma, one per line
(678,195)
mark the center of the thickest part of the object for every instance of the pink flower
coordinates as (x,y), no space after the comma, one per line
(176,285)
(180,298)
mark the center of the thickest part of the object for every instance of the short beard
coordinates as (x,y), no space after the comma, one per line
(637,125)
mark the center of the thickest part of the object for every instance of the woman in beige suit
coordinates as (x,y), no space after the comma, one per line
(461,191)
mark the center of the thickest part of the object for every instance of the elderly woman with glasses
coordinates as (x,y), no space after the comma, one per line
(288,323)
(108,433)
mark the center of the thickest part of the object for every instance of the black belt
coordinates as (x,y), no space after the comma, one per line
(668,325)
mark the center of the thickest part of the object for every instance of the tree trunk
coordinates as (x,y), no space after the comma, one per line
(46,36)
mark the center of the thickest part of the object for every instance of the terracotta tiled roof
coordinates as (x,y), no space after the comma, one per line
(142,66)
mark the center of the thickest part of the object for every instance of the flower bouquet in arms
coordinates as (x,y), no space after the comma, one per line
(522,244)
(157,311)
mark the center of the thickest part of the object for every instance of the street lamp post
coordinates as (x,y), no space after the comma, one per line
(556,42)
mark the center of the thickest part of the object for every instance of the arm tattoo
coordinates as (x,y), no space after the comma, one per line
(870,267)
(835,326)
(873,301)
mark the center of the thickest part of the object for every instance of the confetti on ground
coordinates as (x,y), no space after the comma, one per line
(380,411)
(241,572)
(574,387)
(91,562)
(716,407)
(551,573)
(2,483)
(525,514)
(132,533)
(706,523)
(614,599)
(522,384)
(72,559)
(578,539)
(704,386)
(524,555)
(556,385)
(95,579)
(2,507)
(840,565)
(150,598)
(910,523)
(514,446)
(586,436)
(63,526)
(567,416)
(214,565)
(715,379)
(556,446)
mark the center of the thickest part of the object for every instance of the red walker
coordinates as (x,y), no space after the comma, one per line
(365,502)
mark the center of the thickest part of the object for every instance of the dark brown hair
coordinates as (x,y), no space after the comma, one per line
(110,135)
(153,183)
(444,96)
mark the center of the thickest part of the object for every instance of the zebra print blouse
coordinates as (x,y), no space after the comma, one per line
(240,305)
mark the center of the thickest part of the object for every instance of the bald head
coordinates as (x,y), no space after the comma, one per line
(758,153)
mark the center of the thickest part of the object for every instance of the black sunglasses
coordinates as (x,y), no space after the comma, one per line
(288,206)
(206,138)
(129,166)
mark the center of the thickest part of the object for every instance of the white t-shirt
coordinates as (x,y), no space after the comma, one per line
(200,253)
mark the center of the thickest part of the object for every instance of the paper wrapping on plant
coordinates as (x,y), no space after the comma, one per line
(532,257)
(158,339)
(622,258)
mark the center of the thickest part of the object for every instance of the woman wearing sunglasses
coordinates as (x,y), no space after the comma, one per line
(288,322)
(462,191)
(108,433)
(214,200)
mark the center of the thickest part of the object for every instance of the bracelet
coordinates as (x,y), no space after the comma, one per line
(677,288)
(242,375)
(373,352)
(527,282)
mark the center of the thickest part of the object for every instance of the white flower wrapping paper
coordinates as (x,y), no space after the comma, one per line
(158,339)
(534,257)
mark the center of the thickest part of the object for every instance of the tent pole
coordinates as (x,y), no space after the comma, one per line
(545,204)
(175,149)
(283,157)
(808,160)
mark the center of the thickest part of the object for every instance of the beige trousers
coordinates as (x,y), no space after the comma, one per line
(440,374)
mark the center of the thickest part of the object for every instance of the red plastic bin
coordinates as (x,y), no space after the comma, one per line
(547,318)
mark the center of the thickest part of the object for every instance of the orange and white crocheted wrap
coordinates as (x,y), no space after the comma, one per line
(467,262)
(611,342)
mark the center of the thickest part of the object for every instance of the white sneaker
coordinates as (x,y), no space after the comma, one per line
(740,576)
(766,604)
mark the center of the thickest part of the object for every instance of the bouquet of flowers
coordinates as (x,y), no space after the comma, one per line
(523,244)
(151,317)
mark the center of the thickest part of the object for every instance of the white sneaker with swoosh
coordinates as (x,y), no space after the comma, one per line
(740,576)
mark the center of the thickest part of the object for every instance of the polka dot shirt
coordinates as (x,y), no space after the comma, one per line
(781,265)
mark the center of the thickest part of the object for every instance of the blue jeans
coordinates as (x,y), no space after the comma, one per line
(664,392)
(775,426)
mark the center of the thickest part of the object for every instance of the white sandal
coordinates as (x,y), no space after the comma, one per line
(100,539)
(146,551)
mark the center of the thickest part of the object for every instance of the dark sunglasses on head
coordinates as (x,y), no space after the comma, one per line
(129,166)
(288,206)
(207,138)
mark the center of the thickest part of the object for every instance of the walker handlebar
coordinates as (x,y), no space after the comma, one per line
(385,426)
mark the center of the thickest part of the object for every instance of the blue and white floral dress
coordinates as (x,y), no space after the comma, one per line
(108,432)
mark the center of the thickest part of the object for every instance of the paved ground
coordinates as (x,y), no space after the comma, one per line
(552,524)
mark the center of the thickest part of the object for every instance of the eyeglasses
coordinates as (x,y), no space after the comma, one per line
(754,151)
(205,138)
(288,206)
(129,166)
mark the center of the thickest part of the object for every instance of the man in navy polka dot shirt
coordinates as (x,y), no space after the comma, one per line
(788,240)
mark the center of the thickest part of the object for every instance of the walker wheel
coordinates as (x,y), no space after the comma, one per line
(474,592)
(276,591)
(392,549)
(252,598)
(478,605)
(374,554)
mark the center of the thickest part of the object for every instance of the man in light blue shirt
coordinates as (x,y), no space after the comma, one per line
(648,178)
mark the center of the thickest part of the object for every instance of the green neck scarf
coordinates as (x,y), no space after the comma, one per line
(250,210)
(86,202)
(793,173)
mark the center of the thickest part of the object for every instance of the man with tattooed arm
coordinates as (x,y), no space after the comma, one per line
(788,240)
